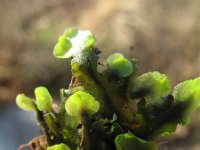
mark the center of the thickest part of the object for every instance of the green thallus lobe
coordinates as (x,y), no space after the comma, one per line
(157,110)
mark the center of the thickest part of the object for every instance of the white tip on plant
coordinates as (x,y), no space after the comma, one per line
(43,99)
(73,42)
(81,102)
(24,102)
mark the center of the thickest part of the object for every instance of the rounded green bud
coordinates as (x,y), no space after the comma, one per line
(119,65)
(81,102)
(24,102)
(59,147)
(43,99)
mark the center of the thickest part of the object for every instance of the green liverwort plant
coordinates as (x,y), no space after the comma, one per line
(113,109)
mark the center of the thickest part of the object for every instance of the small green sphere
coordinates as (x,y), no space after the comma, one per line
(81,102)
(119,65)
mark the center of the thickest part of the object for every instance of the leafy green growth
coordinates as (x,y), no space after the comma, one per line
(113,109)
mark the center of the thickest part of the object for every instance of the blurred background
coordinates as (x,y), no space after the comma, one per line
(161,35)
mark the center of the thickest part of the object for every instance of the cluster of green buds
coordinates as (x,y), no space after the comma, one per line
(111,109)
